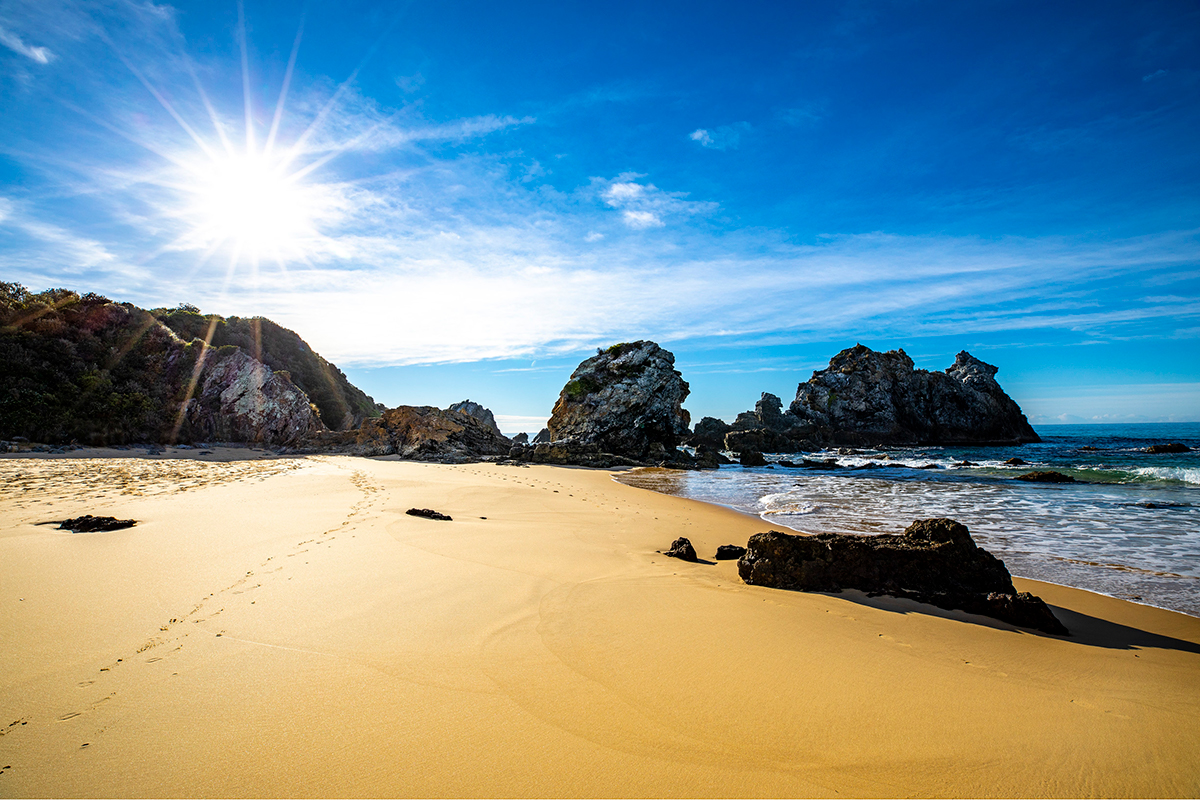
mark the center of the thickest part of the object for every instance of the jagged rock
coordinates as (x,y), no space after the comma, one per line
(478,412)
(769,429)
(728,552)
(521,438)
(709,431)
(543,436)
(865,397)
(425,433)
(1173,447)
(1046,476)
(934,561)
(682,549)
(89,524)
(241,400)
(627,399)
(429,513)
(751,458)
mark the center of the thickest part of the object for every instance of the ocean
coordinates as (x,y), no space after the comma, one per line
(1130,527)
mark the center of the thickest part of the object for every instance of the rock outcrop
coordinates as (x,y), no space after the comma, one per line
(241,400)
(626,400)
(710,432)
(934,561)
(477,411)
(425,433)
(682,549)
(866,397)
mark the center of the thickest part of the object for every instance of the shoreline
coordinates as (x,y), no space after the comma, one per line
(279,626)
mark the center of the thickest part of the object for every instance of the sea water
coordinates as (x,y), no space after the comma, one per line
(1130,526)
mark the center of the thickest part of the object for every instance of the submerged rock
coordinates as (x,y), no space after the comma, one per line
(1016,462)
(751,458)
(1046,476)
(682,549)
(1173,447)
(934,561)
(867,397)
(627,400)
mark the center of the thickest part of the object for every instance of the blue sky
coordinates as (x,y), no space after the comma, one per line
(457,199)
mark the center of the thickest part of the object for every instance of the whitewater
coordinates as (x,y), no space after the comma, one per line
(1129,527)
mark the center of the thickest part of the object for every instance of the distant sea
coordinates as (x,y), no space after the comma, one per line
(1129,529)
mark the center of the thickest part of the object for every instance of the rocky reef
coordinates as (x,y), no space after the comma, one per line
(623,405)
(934,561)
(868,398)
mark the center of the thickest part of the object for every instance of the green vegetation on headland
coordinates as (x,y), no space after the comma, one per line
(83,368)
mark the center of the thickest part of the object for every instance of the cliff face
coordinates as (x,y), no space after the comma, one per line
(241,400)
(82,368)
(866,397)
(340,404)
(627,400)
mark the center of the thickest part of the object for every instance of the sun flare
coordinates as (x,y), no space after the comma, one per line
(251,203)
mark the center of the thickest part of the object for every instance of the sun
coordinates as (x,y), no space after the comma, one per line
(249,201)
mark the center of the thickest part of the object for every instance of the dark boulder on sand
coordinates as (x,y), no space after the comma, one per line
(934,561)
(89,524)
(728,552)
(682,549)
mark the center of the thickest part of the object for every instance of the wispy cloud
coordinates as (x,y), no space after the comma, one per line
(644,205)
(726,137)
(41,55)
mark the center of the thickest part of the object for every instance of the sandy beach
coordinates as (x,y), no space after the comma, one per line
(280,627)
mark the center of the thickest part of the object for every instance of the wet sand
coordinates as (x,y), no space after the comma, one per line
(279,626)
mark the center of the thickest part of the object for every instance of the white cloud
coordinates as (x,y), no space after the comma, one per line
(702,136)
(42,55)
(644,206)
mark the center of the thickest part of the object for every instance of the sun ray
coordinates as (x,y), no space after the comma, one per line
(212,112)
(287,81)
(241,8)
(170,109)
(191,389)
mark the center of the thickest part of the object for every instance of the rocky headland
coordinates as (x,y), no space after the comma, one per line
(81,368)
(868,398)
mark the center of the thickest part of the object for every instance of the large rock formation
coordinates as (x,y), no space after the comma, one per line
(934,561)
(83,368)
(477,411)
(241,400)
(425,433)
(626,400)
(869,398)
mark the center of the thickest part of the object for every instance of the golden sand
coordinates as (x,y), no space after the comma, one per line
(279,627)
